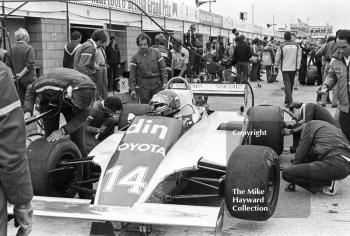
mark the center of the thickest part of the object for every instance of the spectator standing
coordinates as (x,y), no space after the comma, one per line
(85,57)
(65,91)
(113,61)
(287,59)
(16,186)
(70,49)
(147,70)
(101,72)
(210,67)
(191,42)
(338,73)
(23,59)
(241,55)
(180,59)
(305,50)
(161,45)
(254,60)
(268,60)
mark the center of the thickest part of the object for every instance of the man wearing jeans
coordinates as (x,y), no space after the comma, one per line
(288,59)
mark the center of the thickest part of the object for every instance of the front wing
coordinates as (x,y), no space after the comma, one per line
(140,213)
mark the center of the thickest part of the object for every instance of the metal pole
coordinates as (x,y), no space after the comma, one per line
(67,19)
(141,21)
(252,14)
(273,24)
(110,18)
(3,24)
(210,6)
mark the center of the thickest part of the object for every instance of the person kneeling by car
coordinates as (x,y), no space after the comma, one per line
(322,159)
(102,119)
(65,91)
(305,112)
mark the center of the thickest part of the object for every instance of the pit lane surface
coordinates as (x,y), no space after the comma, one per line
(298,213)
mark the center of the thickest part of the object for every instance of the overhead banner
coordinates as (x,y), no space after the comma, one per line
(210,18)
(162,8)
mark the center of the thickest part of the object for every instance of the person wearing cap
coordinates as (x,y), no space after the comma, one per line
(65,91)
(70,50)
(305,112)
(321,160)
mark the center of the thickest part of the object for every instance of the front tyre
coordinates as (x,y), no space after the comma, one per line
(252,182)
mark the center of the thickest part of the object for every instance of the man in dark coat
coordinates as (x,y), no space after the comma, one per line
(321,160)
(70,50)
(113,61)
(16,186)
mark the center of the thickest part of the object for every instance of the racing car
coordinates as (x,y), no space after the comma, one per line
(156,172)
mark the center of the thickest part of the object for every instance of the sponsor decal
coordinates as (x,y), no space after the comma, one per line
(146,127)
(142,147)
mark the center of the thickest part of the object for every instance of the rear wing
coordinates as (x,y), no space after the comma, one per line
(140,213)
(226,90)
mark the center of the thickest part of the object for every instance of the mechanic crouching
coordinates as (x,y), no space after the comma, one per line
(65,91)
(147,70)
(322,159)
(102,120)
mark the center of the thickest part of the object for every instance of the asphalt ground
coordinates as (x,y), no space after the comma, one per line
(297,213)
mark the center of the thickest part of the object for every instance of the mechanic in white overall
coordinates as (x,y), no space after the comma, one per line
(15,186)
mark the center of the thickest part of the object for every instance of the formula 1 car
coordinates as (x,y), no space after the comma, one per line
(156,172)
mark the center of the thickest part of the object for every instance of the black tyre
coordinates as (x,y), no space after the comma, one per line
(252,174)
(49,178)
(268,119)
(311,75)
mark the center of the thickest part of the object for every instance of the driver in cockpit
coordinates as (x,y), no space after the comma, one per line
(167,103)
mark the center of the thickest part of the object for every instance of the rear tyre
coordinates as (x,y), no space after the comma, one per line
(268,119)
(49,178)
(252,174)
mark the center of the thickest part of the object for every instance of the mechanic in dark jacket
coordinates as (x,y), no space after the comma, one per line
(16,186)
(65,91)
(241,55)
(70,50)
(147,70)
(321,158)
(102,120)
(305,113)
(84,59)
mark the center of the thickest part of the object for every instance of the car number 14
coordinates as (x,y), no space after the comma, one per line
(135,179)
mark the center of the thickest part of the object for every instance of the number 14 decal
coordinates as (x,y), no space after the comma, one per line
(135,179)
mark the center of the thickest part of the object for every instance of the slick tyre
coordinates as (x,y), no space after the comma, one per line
(268,119)
(252,183)
(49,178)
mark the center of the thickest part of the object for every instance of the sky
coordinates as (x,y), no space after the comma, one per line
(314,12)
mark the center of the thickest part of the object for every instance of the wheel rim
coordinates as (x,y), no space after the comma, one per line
(63,176)
(271,187)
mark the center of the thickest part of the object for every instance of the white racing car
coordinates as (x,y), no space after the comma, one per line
(158,173)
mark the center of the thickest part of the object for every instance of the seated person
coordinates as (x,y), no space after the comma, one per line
(102,118)
(305,113)
(167,103)
(322,159)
